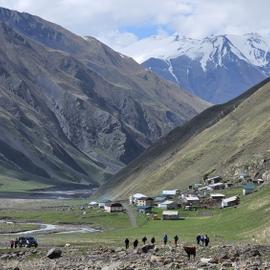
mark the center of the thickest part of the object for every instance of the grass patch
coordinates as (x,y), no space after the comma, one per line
(8,184)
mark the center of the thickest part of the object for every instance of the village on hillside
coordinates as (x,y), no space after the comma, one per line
(210,193)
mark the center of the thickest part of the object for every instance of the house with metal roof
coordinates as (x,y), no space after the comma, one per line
(231,201)
(170,215)
(168,204)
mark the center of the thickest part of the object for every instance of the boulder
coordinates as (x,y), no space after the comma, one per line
(254,253)
(156,259)
(227,264)
(214,260)
(146,248)
(54,253)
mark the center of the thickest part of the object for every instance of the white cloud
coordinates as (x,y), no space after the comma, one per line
(106,19)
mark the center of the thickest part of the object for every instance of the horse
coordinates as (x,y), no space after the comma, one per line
(190,251)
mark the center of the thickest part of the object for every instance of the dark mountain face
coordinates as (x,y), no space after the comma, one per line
(74,110)
(216,69)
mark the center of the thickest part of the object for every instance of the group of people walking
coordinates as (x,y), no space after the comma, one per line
(152,241)
(14,243)
(203,240)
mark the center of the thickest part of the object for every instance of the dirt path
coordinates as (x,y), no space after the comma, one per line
(50,228)
(131,215)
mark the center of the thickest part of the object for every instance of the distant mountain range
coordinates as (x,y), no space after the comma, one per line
(72,110)
(216,68)
(228,140)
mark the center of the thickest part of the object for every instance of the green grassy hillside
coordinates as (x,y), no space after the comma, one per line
(226,139)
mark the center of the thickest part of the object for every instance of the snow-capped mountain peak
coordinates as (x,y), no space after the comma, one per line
(250,47)
(216,68)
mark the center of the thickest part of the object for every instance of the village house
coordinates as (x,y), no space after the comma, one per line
(168,205)
(217,196)
(144,209)
(133,198)
(258,181)
(159,199)
(231,201)
(170,215)
(171,193)
(191,199)
(217,186)
(114,207)
(102,204)
(213,180)
(93,204)
(145,201)
(249,188)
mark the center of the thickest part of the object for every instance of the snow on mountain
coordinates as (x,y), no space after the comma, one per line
(217,63)
(254,47)
(251,47)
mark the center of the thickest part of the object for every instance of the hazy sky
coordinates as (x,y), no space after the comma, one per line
(122,22)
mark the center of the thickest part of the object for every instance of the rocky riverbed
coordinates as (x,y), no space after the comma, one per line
(245,257)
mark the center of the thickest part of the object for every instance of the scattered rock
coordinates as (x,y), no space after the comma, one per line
(146,248)
(227,264)
(54,253)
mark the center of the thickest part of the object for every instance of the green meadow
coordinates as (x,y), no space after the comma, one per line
(245,223)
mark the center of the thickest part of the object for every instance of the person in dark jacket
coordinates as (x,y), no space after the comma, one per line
(153,240)
(144,240)
(135,243)
(206,240)
(198,238)
(12,242)
(127,243)
(165,239)
(176,238)
(16,242)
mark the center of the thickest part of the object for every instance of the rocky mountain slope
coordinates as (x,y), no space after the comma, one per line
(74,110)
(228,140)
(217,68)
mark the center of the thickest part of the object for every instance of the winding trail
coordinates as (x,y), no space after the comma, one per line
(50,228)
(132,215)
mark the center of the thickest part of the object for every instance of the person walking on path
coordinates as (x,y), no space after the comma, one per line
(12,242)
(127,243)
(153,240)
(206,240)
(144,240)
(176,238)
(202,240)
(165,239)
(198,239)
(135,243)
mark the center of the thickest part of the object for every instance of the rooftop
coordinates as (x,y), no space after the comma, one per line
(231,199)
(170,213)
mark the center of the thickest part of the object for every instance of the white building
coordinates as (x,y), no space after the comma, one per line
(168,205)
(217,196)
(133,198)
(93,204)
(170,215)
(217,186)
(191,198)
(171,192)
(229,202)
(102,204)
(145,201)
